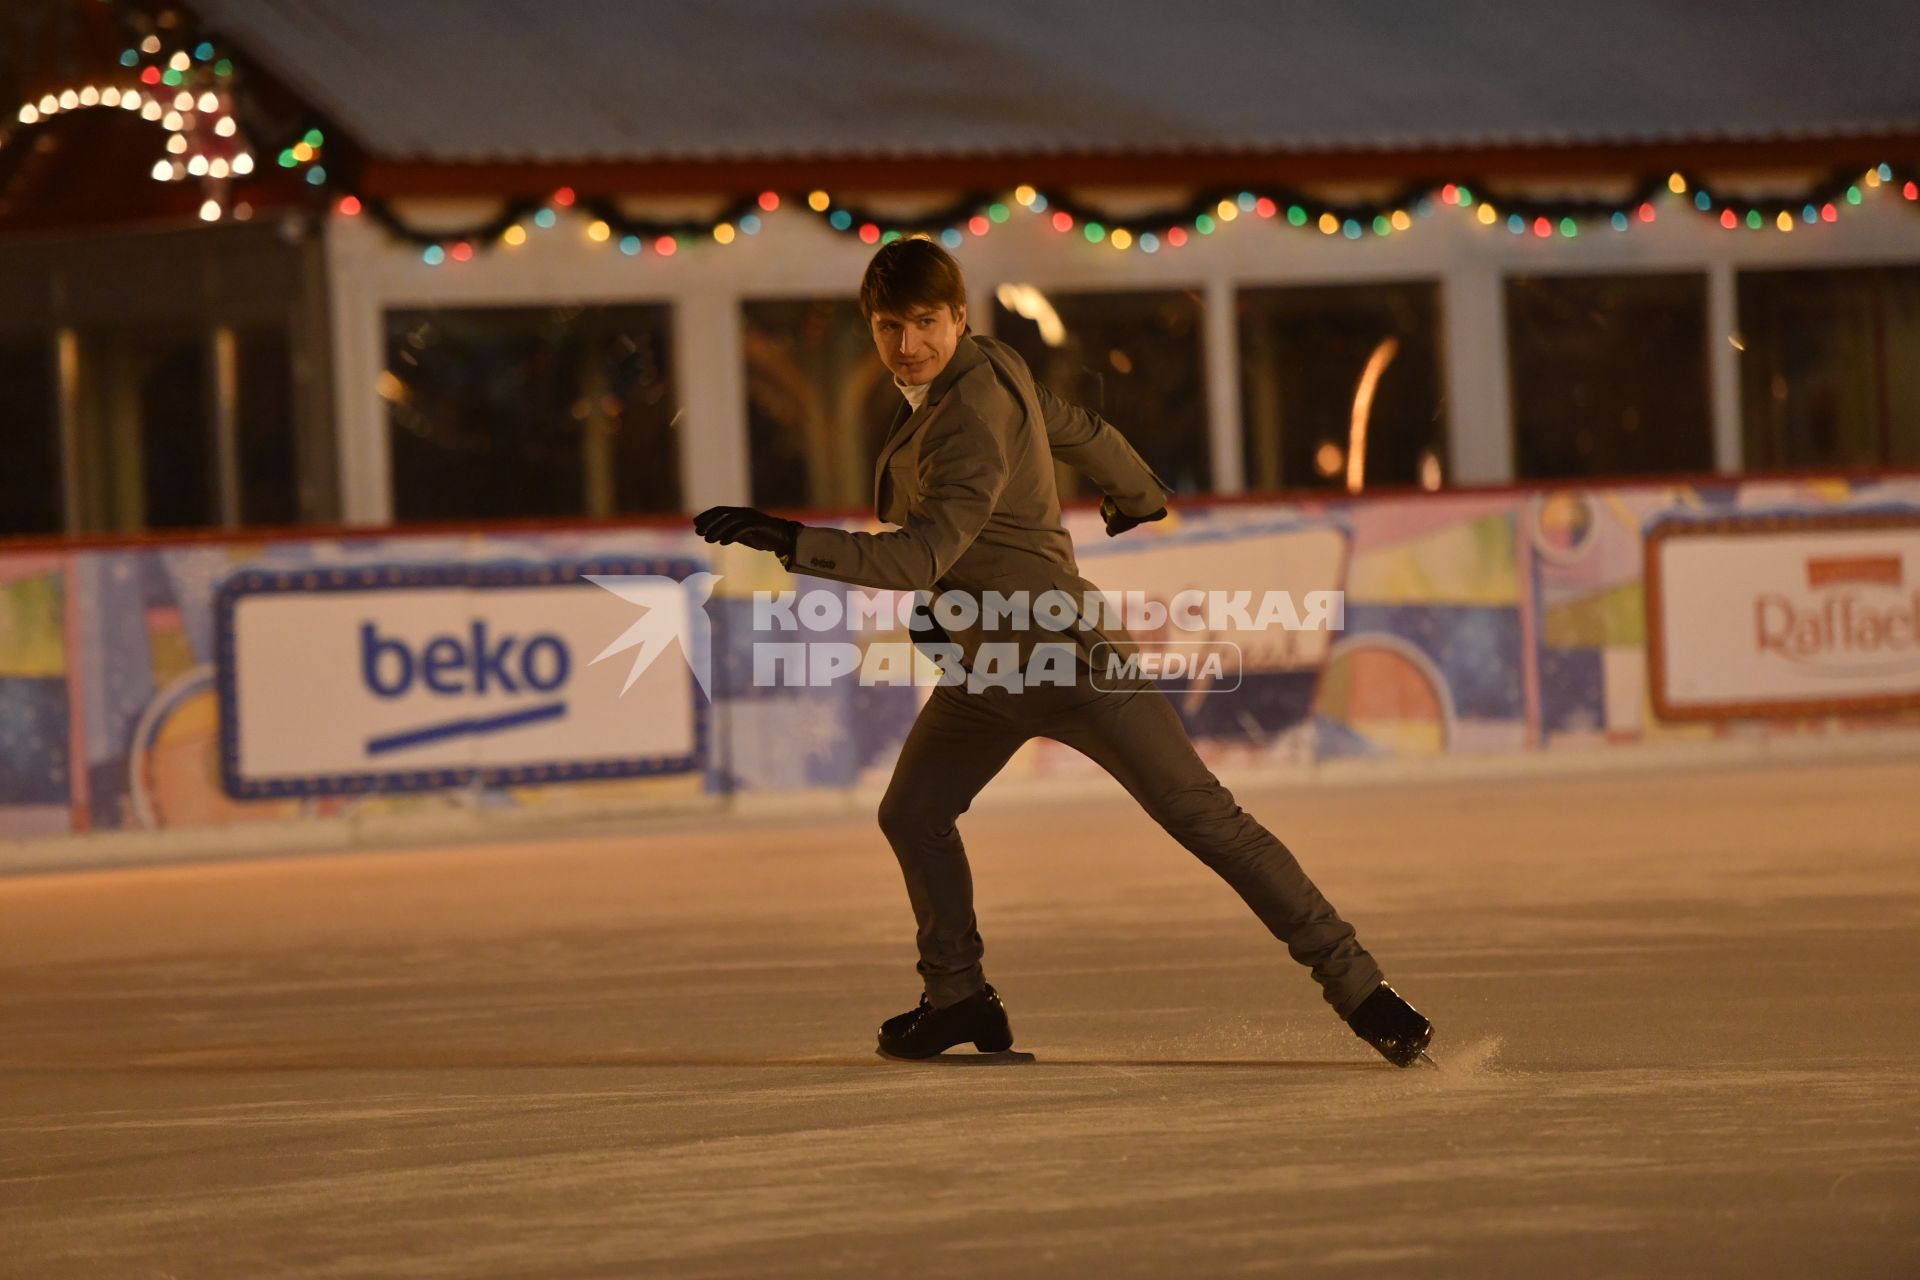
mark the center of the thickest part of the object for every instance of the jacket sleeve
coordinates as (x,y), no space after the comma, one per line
(1093,447)
(962,470)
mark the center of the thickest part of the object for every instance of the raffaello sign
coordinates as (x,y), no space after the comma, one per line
(1788,615)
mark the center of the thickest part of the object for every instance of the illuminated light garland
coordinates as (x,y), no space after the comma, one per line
(188,93)
(978,213)
(203,133)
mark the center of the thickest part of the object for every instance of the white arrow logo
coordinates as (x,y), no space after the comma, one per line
(673,612)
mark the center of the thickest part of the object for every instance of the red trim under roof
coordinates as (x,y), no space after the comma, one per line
(396,177)
(40,544)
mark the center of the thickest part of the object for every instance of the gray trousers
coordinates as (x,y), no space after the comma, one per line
(962,739)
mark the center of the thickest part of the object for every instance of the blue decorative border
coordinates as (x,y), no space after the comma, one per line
(430,576)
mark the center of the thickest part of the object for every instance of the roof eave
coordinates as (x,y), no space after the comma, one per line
(393,177)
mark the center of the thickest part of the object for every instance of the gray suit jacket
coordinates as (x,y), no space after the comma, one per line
(968,477)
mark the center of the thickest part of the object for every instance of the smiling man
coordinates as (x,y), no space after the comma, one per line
(966,473)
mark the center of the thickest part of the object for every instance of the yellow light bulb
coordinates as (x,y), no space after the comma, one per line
(1227,210)
(1873,177)
(1677,184)
(515,235)
(1486,214)
(819,201)
(302,152)
(599,232)
(1784,221)
(1024,194)
(1329,223)
(724,233)
(1400,220)
(1121,238)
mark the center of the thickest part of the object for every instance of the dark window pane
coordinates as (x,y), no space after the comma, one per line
(1609,375)
(173,399)
(818,402)
(30,482)
(264,421)
(1830,375)
(1135,359)
(1324,367)
(642,408)
(144,446)
(539,411)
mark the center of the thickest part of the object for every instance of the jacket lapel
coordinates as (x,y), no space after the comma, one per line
(895,434)
(966,354)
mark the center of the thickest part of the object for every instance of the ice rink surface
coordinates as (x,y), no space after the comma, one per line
(1677,1016)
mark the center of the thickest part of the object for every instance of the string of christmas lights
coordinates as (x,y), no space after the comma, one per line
(976,214)
(189,91)
(183,91)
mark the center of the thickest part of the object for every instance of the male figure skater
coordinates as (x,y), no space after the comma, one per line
(966,471)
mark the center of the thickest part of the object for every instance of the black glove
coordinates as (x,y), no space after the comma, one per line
(749,528)
(1118,524)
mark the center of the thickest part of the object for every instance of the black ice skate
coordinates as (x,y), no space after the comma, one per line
(1392,1026)
(924,1031)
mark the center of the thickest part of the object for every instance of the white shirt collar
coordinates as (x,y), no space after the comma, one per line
(916,395)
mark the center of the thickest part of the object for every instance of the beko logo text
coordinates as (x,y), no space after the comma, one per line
(453,664)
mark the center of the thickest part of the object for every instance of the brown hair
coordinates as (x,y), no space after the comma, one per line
(909,274)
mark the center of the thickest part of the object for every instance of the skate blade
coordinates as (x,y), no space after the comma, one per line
(1428,1059)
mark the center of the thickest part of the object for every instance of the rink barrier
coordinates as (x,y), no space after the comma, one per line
(1486,632)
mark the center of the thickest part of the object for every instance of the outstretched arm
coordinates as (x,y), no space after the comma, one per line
(963,469)
(1093,447)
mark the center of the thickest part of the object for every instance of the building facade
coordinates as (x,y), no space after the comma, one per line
(1275,256)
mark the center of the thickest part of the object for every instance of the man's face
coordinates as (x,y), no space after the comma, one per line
(916,347)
